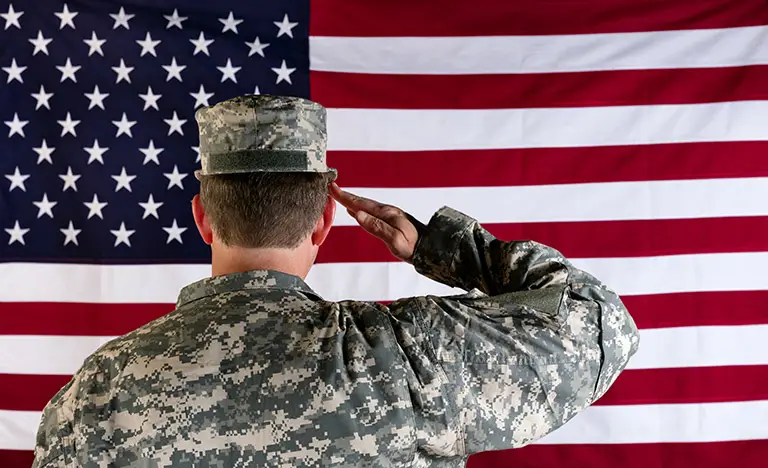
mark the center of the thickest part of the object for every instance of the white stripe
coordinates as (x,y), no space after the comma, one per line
(371,281)
(706,422)
(614,201)
(661,349)
(540,54)
(421,130)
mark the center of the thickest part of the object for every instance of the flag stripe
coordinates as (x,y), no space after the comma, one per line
(416,130)
(540,54)
(543,166)
(538,90)
(499,17)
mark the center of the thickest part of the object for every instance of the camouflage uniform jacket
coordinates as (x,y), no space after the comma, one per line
(255,369)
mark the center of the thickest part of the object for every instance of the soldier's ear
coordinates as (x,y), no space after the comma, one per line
(324,223)
(201,220)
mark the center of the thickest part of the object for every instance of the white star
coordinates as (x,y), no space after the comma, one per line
(201,44)
(175,178)
(174,70)
(286,27)
(228,71)
(16,125)
(123,181)
(175,20)
(283,73)
(196,149)
(95,44)
(122,235)
(42,98)
(68,71)
(95,207)
(17,180)
(17,234)
(256,47)
(96,98)
(44,152)
(150,207)
(68,125)
(14,72)
(121,19)
(66,17)
(256,91)
(96,152)
(124,126)
(45,206)
(12,17)
(201,97)
(148,45)
(230,23)
(71,234)
(174,232)
(174,124)
(70,180)
(41,43)
(150,99)
(123,72)
(151,153)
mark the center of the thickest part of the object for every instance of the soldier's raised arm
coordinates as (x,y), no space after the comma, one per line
(534,342)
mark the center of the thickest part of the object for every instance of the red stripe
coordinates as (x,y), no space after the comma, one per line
(16,458)
(594,239)
(29,392)
(739,454)
(688,385)
(372,18)
(543,166)
(584,89)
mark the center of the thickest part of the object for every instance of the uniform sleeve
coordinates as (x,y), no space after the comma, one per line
(533,343)
(55,443)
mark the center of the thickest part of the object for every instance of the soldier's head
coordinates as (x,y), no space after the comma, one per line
(264,180)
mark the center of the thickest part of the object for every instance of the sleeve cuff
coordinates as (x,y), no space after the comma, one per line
(437,249)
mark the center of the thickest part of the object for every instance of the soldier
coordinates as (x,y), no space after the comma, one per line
(254,368)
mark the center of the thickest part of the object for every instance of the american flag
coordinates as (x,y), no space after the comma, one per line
(632,135)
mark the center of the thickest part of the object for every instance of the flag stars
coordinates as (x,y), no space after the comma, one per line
(44,152)
(228,72)
(45,207)
(94,44)
(174,124)
(196,149)
(283,73)
(124,126)
(148,45)
(95,152)
(70,234)
(17,180)
(201,44)
(42,98)
(40,43)
(175,178)
(201,97)
(67,17)
(256,47)
(150,207)
(150,99)
(68,125)
(17,234)
(14,72)
(96,98)
(123,72)
(122,235)
(16,126)
(68,71)
(12,17)
(230,23)
(174,70)
(151,153)
(121,19)
(70,180)
(286,27)
(123,181)
(175,20)
(174,232)
(95,207)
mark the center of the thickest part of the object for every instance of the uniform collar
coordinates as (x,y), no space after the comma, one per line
(249,280)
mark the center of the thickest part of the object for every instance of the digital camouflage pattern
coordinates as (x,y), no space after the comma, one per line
(255,369)
(257,133)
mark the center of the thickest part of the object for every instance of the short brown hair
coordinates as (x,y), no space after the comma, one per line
(264,209)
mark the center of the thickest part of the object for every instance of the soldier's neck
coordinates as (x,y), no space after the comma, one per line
(225,260)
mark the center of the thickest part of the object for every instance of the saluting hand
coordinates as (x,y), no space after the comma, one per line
(389,223)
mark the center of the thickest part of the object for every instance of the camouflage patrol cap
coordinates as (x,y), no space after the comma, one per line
(262,133)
